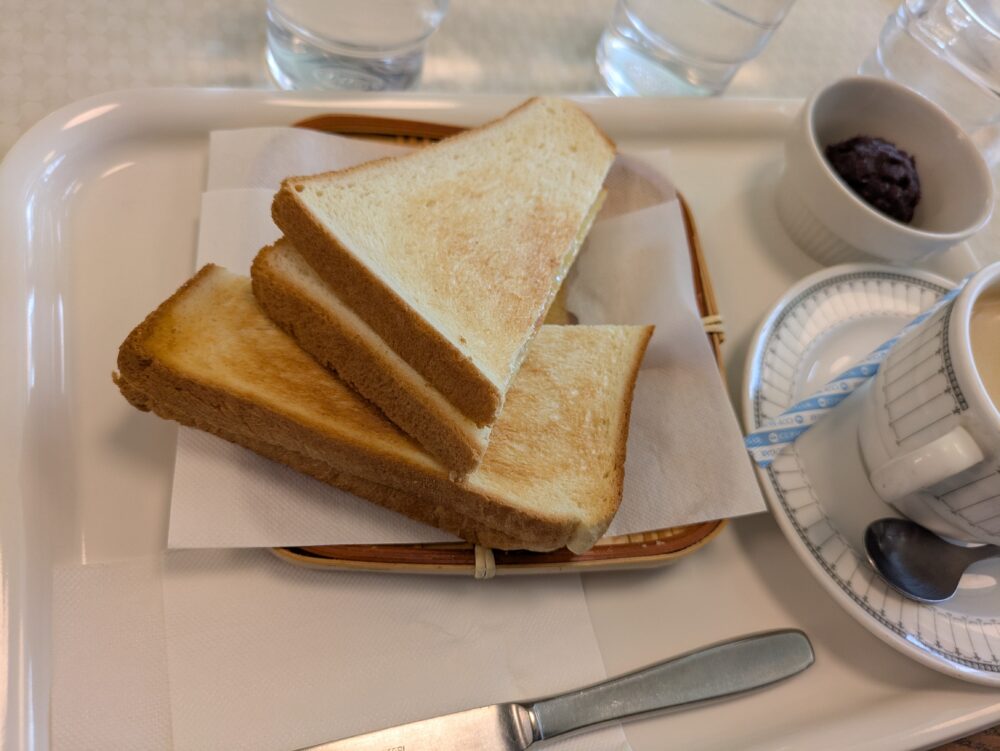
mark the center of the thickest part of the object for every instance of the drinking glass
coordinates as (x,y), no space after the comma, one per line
(369,45)
(948,51)
(683,47)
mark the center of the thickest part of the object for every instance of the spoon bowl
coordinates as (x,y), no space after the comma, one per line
(916,562)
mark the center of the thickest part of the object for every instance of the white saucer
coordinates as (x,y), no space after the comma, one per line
(824,323)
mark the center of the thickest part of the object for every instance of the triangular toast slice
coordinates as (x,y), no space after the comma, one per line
(296,299)
(453,253)
(552,476)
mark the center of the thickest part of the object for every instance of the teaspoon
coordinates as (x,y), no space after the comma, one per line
(916,562)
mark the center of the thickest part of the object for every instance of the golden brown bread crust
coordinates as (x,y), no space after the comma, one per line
(445,511)
(411,506)
(152,385)
(615,499)
(344,351)
(472,517)
(540,229)
(146,373)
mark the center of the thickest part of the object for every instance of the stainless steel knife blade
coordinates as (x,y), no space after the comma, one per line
(499,727)
(718,671)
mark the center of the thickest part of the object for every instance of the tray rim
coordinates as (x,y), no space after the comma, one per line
(26,700)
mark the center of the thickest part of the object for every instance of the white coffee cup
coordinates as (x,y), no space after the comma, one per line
(929,429)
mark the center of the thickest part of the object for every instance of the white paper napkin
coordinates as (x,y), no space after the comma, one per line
(266,656)
(234,650)
(109,657)
(686,462)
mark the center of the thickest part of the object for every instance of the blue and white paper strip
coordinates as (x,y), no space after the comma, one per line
(771,438)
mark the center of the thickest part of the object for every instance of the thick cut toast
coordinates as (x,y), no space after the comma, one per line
(453,253)
(306,308)
(552,475)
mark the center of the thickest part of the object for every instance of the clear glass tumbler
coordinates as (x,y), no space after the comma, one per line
(369,45)
(683,47)
(949,51)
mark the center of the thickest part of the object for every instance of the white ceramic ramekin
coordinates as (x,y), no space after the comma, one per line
(832,224)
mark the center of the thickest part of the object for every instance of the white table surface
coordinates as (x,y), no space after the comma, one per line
(53,52)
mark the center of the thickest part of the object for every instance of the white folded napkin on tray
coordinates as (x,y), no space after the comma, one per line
(686,461)
(234,649)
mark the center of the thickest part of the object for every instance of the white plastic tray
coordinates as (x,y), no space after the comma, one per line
(98,217)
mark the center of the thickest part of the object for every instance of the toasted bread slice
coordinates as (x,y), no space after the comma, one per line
(427,512)
(453,253)
(552,474)
(295,298)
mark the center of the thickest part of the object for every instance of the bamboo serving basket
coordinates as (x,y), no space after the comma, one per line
(639,550)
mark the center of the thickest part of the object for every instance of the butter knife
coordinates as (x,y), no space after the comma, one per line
(718,671)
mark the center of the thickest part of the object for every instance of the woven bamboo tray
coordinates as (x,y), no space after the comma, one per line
(640,550)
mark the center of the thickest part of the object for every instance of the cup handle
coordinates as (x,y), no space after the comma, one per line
(928,465)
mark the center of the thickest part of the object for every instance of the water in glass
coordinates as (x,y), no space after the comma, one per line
(372,45)
(683,47)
